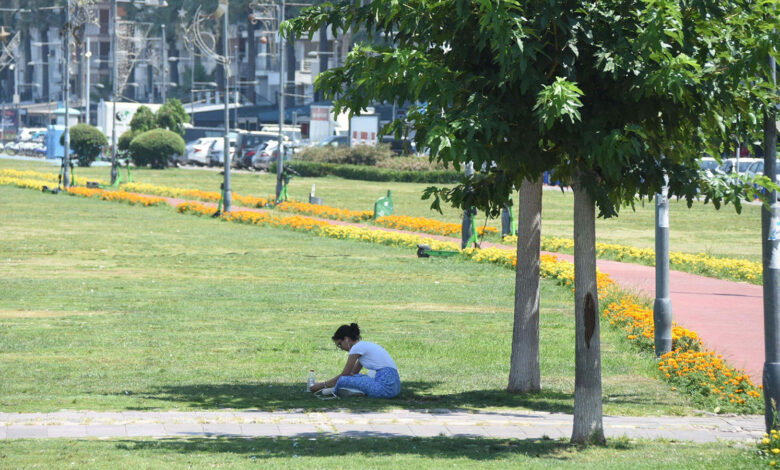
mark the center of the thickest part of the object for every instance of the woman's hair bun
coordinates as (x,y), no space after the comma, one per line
(352,331)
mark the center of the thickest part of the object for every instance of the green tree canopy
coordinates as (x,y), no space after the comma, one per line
(172,116)
(143,120)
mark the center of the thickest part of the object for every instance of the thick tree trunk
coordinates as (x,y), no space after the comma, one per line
(524,375)
(588,425)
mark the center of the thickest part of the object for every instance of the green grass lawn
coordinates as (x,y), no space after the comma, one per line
(107,306)
(698,229)
(391,453)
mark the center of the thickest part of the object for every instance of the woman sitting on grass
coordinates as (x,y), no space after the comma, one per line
(384,384)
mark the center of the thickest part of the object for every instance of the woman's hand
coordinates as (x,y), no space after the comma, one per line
(317,387)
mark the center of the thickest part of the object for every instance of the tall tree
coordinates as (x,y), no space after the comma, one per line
(610,95)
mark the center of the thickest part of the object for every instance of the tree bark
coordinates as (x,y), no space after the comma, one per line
(524,375)
(588,425)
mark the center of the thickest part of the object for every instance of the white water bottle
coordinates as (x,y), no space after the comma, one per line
(310,381)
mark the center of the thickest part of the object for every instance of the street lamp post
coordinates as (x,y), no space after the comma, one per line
(66,99)
(227,197)
(87,66)
(164,91)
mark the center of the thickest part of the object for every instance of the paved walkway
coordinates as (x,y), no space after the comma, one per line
(400,423)
(727,315)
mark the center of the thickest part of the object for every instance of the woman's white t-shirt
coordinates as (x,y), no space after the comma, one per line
(372,355)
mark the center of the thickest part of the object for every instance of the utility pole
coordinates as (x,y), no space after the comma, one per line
(164,91)
(770,244)
(87,89)
(662,307)
(280,157)
(115,80)
(66,81)
(227,197)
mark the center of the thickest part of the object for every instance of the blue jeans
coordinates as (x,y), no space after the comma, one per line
(385,384)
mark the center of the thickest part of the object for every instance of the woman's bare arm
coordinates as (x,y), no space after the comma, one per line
(352,361)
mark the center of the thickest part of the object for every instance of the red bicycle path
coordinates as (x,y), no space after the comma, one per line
(727,315)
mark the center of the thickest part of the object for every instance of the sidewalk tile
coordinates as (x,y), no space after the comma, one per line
(258,430)
(466,430)
(288,429)
(429,430)
(393,429)
(145,430)
(112,430)
(2,432)
(73,431)
(189,429)
(24,432)
(222,429)
(512,432)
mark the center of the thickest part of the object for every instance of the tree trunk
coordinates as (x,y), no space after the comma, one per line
(588,425)
(524,375)
(323,48)
(289,74)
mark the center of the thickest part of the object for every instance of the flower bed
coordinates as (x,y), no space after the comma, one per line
(700,263)
(119,196)
(325,212)
(425,225)
(37,175)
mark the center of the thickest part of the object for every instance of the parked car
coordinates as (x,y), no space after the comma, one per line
(267,153)
(217,153)
(709,165)
(198,151)
(334,141)
(729,165)
(246,146)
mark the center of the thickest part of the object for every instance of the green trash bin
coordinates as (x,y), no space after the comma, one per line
(383,206)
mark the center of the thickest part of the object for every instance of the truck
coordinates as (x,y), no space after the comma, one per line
(124,114)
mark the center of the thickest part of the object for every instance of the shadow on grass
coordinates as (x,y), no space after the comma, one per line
(414,395)
(389,447)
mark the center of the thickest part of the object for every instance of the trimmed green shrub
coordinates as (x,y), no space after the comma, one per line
(370,173)
(411,163)
(86,142)
(358,155)
(156,147)
(124,140)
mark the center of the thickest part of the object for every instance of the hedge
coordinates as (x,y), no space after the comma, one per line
(370,173)
(156,147)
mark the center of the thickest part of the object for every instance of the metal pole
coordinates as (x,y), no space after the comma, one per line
(2,123)
(192,90)
(770,225)
(235,88)
(280,157)
(115,72)
(164,65)
(466,229)
(227,198)
(66,81)
(662,307)
(88,63)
